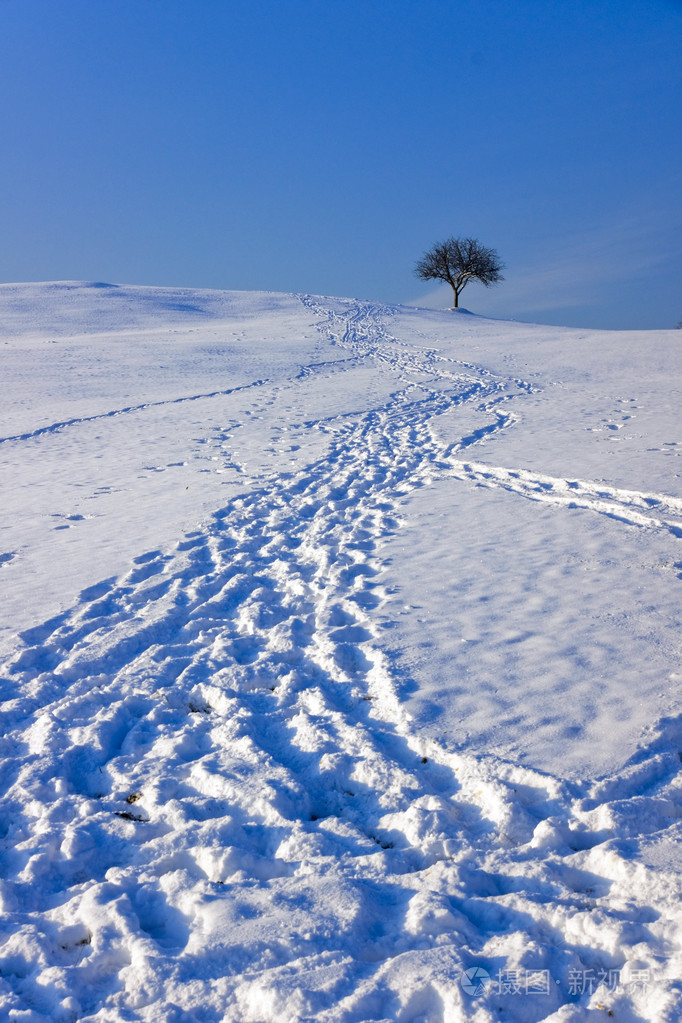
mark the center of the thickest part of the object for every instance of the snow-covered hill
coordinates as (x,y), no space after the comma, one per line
(340,662)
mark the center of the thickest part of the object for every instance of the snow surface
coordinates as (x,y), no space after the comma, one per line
(340,656)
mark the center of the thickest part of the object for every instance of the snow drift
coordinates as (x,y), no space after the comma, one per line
(340,662)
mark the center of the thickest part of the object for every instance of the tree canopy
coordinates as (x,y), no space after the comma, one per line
(458,261)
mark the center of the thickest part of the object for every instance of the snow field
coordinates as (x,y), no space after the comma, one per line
(225,797)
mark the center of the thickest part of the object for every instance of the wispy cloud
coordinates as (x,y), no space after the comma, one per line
(580,269)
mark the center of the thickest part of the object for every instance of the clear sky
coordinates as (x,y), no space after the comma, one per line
(323,145)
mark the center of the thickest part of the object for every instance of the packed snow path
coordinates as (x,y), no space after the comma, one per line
(216,805)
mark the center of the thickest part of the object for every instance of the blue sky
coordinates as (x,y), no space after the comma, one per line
(323,145)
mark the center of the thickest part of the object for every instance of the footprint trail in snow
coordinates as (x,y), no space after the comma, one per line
(244,823)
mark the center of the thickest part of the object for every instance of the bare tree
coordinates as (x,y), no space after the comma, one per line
(458,261)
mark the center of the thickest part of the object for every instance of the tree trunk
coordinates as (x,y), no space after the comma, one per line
(456,302)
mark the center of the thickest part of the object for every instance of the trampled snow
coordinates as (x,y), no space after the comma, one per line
(340,662)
